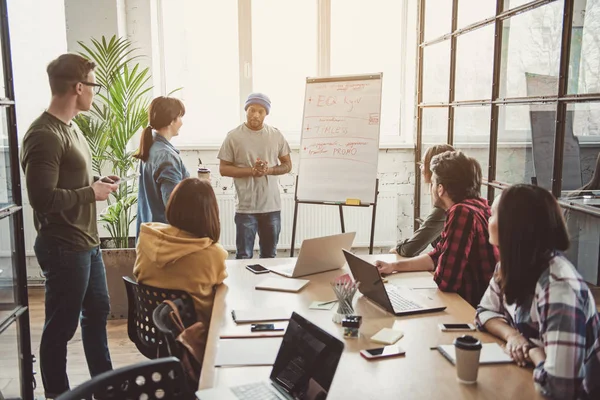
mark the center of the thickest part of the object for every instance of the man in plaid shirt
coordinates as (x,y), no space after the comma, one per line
(463,259)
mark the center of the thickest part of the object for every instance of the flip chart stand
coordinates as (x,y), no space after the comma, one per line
(348,203)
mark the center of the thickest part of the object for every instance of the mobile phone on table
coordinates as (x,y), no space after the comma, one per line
(265,327)
(257,269)
(456,327)
(382,352)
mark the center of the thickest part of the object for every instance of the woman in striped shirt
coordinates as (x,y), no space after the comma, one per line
(537,302)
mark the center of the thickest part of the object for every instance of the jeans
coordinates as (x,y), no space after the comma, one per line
(76,290)
(268,226)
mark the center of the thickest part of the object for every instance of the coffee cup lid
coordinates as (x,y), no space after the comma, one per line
(467,342)
(202,169)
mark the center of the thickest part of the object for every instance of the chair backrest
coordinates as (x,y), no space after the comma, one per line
(165,325)
(154,379)
(142,300)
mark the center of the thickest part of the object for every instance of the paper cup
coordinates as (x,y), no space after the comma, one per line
(468,350)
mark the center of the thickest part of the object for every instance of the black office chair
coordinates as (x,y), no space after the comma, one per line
(142,300)
(154,379)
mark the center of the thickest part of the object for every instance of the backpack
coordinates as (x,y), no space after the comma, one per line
(186,343)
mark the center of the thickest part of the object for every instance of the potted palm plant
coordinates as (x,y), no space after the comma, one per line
(118,113)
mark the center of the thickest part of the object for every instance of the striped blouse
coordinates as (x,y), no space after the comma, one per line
(562,318)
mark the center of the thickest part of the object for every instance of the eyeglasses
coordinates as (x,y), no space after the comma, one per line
(97,87)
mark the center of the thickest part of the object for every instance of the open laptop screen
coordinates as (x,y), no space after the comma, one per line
(307,360)
(371,285)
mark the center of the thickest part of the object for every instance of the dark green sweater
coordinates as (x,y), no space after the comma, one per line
(58,171)
(428,233)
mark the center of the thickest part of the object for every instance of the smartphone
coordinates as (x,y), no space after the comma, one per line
(257,269)
(456,327)
(382,352)
(265,328)
(128,178)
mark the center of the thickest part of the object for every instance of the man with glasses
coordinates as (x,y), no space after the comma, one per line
(63,193)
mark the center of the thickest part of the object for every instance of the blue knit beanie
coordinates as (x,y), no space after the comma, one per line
(260,99)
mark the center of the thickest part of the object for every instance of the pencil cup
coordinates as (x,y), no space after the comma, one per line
(344,291)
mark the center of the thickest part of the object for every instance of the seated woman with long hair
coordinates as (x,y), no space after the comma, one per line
(537,302)
(185,254)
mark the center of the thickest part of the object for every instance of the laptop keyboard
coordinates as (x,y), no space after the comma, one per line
(254,391)
(399,302)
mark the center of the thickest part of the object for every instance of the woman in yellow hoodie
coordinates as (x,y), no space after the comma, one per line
(185,254)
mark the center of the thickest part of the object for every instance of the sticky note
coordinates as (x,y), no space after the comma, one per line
(353,202)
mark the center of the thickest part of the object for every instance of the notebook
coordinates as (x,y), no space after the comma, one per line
(260,314)
(238,352)
(282,285)
(491,353)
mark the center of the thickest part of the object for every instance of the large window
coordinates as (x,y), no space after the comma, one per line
(520,81)
(219,52)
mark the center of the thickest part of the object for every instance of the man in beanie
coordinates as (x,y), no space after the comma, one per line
(253,154)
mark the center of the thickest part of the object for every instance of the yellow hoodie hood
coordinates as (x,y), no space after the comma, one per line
(164,244)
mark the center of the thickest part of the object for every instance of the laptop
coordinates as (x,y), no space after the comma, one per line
(317,255)
(304,367)
(393,299)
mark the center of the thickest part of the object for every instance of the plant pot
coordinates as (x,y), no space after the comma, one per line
(108,243)
(118,263)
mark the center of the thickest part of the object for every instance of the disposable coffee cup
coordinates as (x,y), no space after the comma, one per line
(468,350)
(203,173)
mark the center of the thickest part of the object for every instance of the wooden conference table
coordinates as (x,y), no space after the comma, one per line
(421,374)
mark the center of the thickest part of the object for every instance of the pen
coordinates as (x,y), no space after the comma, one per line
(327,302)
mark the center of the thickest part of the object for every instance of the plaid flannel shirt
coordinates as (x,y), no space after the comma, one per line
(562,318)
(463,257)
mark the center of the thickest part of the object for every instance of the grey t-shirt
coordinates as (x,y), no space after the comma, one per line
(243,147)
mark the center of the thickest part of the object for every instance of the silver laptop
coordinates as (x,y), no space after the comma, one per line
(304,367)
(396,300)
(317,255)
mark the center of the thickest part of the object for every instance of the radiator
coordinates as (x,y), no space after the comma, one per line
(322,220)
(313,221)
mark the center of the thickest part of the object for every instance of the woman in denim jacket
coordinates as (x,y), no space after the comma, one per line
(161,168)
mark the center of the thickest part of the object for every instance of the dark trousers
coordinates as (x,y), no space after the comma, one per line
(75,290)
(268,227)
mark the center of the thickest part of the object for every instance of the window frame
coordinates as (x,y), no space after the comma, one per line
(402,138)
(561,100)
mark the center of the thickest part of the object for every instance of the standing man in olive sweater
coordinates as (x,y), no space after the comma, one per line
(63,193)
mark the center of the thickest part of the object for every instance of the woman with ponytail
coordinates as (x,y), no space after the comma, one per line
(161,167)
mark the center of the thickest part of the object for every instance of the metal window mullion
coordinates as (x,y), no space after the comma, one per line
(561,107)
(451,90)
(488,21)
(495,93)
(245,52)
(419,111)
(23,327)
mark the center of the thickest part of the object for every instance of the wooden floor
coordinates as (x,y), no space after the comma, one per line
(123,351)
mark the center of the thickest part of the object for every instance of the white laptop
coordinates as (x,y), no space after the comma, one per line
(317,255)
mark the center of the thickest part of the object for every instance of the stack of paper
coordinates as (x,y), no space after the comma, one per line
(260,315)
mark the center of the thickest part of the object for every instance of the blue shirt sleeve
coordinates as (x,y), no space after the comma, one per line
(168,174)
